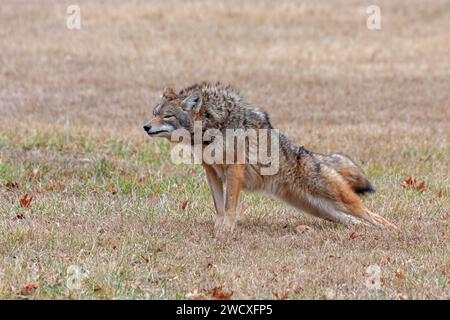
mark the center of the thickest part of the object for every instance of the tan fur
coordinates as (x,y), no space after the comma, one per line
(324,185)
(349,170)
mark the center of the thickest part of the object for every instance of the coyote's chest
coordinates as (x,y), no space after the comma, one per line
(253,180)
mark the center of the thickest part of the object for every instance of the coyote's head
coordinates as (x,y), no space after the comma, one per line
(173,112)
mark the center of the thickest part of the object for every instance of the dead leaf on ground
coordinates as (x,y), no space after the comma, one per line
(281,296)
(353,235)
(300,229)
(20,216)
(25,202)
(184,205)
(11,185)
(399,274)
(112,188)
(29,289)
(59,186)
(421,187)
(408,182)
(218,294)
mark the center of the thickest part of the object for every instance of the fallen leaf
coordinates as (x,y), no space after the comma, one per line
(11,185)
(184,205)
(218,294)
(112,188)
(20,216)
(353,235)
(399,274)
(29,289)
(279,296)
(412,183)
(25,202)
(302,228)
(421,186)
(56,186)
(408,182)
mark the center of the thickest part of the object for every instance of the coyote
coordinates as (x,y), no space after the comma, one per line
(324,185)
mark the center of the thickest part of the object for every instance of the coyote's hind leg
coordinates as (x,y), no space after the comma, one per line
(319,207)
(349,202)
(339,203)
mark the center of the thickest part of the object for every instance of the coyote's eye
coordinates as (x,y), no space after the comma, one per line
(166,117)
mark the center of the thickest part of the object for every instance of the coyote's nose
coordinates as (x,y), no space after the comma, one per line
(147,127)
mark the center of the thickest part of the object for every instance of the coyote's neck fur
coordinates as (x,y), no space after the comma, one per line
(224,108)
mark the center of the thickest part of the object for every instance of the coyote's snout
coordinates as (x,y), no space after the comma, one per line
(325,185)
(157,128)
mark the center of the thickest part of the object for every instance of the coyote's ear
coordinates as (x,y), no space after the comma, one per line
(193,102)
(169,93)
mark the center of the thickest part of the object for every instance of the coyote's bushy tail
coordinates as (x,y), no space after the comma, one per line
(349,170)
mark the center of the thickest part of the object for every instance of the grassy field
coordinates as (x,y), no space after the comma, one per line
(111,217)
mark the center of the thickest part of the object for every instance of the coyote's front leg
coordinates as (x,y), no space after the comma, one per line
(216,186)
(234,180)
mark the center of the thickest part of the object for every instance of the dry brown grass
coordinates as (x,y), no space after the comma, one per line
(107,199)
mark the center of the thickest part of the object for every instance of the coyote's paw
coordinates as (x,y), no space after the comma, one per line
(224,230)
(218,225)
